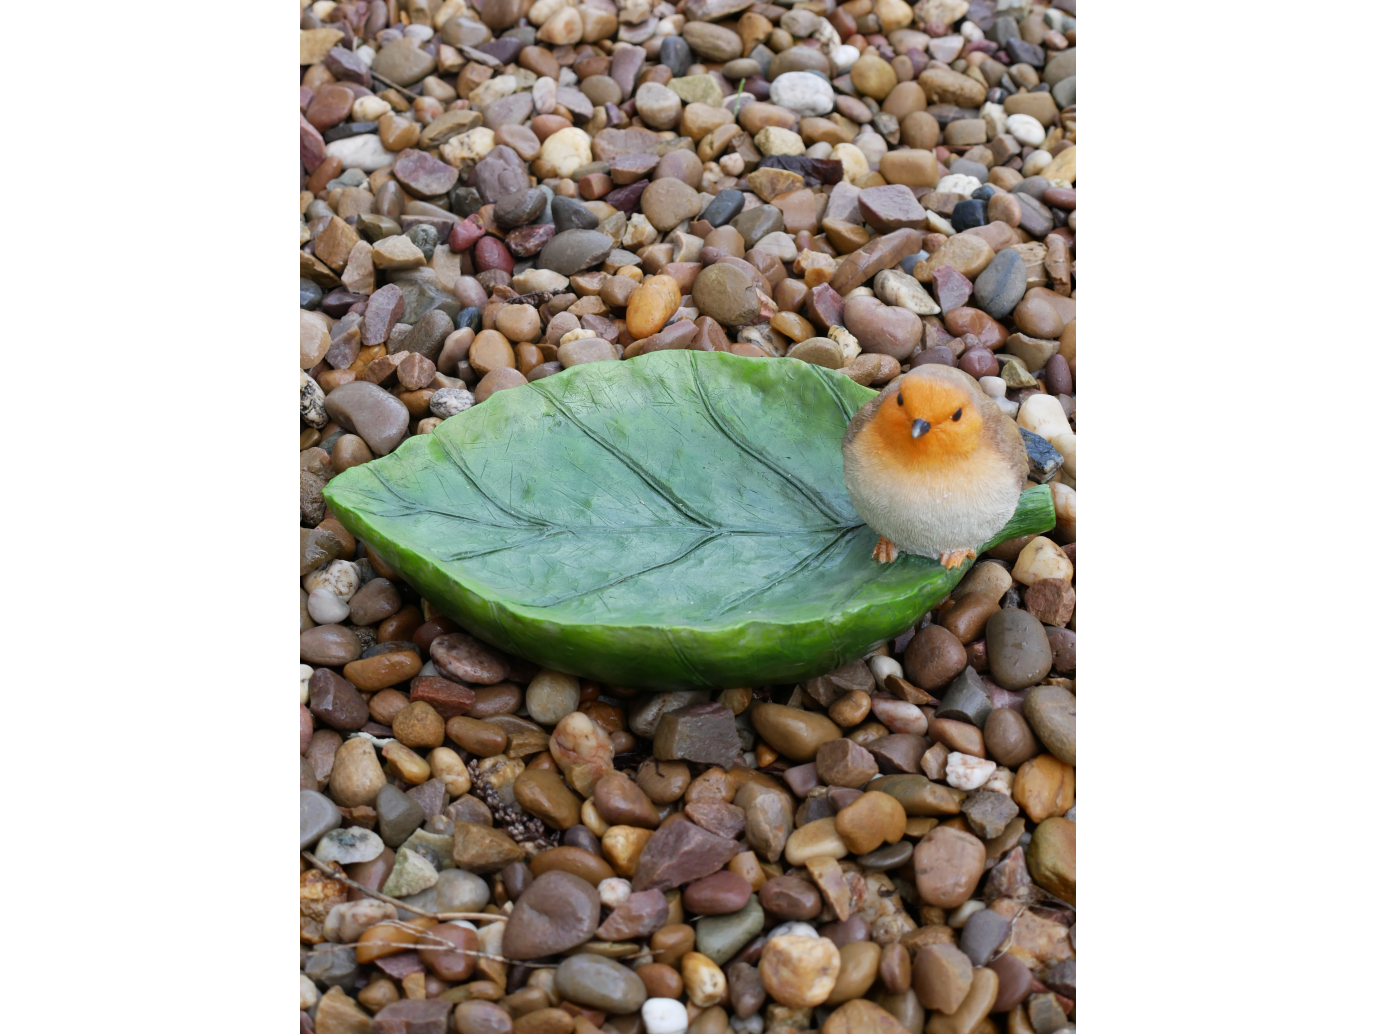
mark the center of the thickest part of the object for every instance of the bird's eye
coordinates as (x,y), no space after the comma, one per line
(956,415)
(900,398)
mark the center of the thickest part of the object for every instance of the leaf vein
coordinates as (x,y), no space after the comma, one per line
(818,503)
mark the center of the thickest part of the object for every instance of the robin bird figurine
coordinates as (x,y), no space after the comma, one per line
(934,466)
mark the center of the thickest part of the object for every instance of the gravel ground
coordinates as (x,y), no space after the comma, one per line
(490,194)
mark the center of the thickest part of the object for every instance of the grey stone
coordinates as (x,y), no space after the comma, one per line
(720,937)
(965,699)
(1062,66)
(1019,653)
(645,712)
(332,966)
(1042,458)
(600,983)
(575,250)
(965,167)
(984,931)
(319,815)
(427,336)
(1002,284)
(757,222)
(675,52)
(397,816)
(724,207)
(1064,92)
(988,812)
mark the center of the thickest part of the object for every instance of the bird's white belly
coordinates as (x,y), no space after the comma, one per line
(930,515)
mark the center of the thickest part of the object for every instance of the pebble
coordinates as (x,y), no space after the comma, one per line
(719,938)
(1019,652)
(1050,710)
(599,983)
(803,93)
(664,1016)
(558,911)
(948,863)
(458,273)
(800,971)
(1051,857)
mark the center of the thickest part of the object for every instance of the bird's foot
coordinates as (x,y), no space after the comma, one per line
(956,557)
(884,551)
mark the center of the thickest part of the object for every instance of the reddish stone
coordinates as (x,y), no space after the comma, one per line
(680,853)
(824,306)
(450,699)
(967,320)
(951,288)
(385,307)
(525,241)
(423,175)
(490,253)
(979,362)
(467,233)
(312,146)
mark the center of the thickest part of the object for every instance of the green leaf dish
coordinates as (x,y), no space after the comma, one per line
(674,521)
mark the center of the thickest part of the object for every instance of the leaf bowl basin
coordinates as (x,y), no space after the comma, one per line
(674,521)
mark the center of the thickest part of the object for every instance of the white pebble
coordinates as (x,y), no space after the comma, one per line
(309,993)
(664,1015)
(614,891)
(994,387)
(800,929)
(843,57)
(957,919)
(1035,163)
(326,608)
(994,117)
(966,772)
(957,183)
(1009,407)
(937,224)
(1000,782)
(882,667)
(750,1025)
(341,578)
(420,32)
(306,672)
(1026,130)
(429,669)
(366,54)
(971,31)
(1044,415)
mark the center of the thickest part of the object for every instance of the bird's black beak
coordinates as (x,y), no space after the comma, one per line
(920,427)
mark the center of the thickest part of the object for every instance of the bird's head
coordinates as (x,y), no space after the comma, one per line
(931,418)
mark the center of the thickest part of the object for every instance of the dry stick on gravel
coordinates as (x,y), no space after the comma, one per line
(442,916)
(425,939)
(399,89)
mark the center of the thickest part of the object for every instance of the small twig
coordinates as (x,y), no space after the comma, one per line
(399,89)
(441,916)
